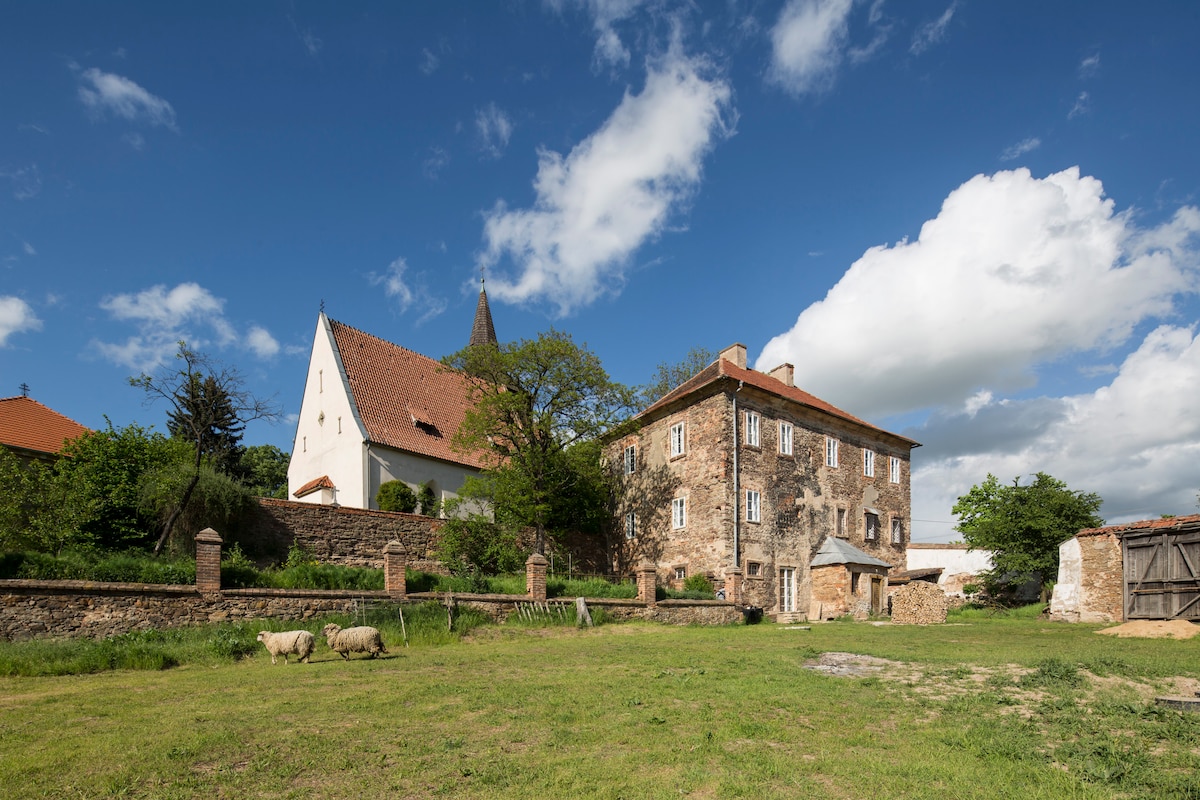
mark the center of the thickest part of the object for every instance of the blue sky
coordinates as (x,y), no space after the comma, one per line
(972,223)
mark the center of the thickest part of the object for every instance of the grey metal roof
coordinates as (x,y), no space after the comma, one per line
(839,551)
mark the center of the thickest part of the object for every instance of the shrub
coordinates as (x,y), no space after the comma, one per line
(698,583)
(396,496)
(430,507)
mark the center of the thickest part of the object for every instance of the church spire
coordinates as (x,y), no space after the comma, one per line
(482,331)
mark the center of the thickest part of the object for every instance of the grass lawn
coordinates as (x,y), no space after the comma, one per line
(984,708)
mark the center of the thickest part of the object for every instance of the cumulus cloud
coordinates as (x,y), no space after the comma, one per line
(1020,148)
(933,32)
(494,128)
(408,291)
(16,316)
(807,44)
(1014,272)
(260,342)
(104,92)
(605,14)
(1135,441)
(614,191)
(163,317)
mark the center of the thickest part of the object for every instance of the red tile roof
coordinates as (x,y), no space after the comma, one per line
(27,424)
(722,368)
(1144,525)
(314,485)
(406,400)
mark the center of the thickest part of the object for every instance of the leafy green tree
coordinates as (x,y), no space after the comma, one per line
(396,496)
(532,401)
(427,498)
(208,406)
(218,500)
(668,376)
(23,502)
(1023,525)
(264,469)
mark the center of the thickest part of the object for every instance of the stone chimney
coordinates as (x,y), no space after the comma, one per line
(785,373)
(735,354)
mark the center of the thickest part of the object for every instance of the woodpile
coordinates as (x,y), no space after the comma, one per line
(919,603)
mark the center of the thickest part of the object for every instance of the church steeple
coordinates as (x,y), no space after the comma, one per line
(482,331)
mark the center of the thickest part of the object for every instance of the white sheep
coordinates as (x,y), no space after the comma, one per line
(363,639)
(281,644)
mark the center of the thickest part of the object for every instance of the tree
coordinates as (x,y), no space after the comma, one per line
(208,405)
(264,469)
(532,401)
(1024,525)
(396,496)
(669,376)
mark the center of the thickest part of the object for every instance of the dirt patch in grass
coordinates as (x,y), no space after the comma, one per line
(1154,629)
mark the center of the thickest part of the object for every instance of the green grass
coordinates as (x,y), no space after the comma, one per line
(634,710)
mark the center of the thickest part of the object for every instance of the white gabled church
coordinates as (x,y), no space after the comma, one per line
(373,412)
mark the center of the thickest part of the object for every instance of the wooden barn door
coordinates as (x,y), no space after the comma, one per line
(1162,575)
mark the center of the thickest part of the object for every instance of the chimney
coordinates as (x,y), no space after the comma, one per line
(784,373)
(735,354)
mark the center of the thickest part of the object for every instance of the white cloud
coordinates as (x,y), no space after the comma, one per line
(806,44)
(1090,66)
(1014,272)
(1082,106)
(16,316)
(26,182)
(614,191)
(433,164)
(1136,441)
(261,342)
(1020,148)
(114,94)
(429,62)
(164,317)
(932,33)
(28,248)
(406,292)
(610,51)
(495,129)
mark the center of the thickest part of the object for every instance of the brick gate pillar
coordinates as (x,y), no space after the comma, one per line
(535,576)
(647,582)
(208,561)
(733,585)
(394,579)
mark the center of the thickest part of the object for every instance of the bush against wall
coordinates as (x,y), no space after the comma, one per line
(396,496)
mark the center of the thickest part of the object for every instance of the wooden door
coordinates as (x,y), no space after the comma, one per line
(1162,575)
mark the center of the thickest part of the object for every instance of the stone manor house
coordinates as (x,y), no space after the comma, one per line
(739,472)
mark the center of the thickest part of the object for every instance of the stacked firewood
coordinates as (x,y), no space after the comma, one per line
(919,603)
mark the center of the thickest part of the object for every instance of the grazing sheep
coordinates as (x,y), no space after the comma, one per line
(363,639)
(280,644)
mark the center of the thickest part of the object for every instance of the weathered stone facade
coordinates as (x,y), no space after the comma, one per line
(800,499)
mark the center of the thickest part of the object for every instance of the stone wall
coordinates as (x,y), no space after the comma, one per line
(1091,578)
(351,537)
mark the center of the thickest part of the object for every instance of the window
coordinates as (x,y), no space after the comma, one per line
(785,438)
(679,512)
(631,459)
(831,447)
(787,590)
(677,439)
(871,533)
(897,532)
(753,506)
(841,523)
(631,525)
(680,573)
(869,463)
(895,470)
(753,437)
(753,569)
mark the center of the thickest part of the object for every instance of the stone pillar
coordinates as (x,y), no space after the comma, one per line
(394,563)
(733,585)
(535,576)
(208,561)
(647,582)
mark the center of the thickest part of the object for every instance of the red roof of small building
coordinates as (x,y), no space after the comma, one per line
(406,401)
(28,425)
(723,368)
(314,485)
(1143,525)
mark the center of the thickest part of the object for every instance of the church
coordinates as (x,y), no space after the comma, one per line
(373,412)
